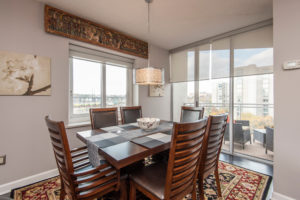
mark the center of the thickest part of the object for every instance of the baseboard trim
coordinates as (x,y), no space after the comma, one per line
(278,196)
(7,187)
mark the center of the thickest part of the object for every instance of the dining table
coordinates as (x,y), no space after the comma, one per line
(125,144)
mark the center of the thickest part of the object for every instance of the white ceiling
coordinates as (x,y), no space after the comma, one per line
(173,22)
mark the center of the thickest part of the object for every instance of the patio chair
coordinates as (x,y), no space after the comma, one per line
(240,135)
(269,139)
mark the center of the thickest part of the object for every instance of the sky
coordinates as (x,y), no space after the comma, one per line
(87,76)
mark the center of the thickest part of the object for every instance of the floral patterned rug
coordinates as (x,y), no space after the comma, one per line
(236,184)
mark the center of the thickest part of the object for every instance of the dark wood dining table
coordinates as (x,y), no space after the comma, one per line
(128,152)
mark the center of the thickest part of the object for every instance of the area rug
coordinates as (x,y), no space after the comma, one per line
(236,183)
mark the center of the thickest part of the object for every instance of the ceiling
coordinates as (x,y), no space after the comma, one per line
(173,22)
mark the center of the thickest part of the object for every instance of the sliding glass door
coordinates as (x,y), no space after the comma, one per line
(253,93)
(235,76)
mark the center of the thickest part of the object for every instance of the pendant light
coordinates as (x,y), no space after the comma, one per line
(148,75)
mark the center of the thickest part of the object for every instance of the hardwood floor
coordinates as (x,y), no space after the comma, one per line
(248,164)
(235,160)
(5,196)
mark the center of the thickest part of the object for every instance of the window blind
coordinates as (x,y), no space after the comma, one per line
(253,52)
(204,62)
(252,55)
(183,66)
(220,58)
(100,56)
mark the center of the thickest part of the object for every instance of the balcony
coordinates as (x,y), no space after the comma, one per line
(252,128)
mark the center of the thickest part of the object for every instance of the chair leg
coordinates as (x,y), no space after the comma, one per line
(194,194)
(218,182)
(200,188)
(132,193)
(62,192)
(123,190)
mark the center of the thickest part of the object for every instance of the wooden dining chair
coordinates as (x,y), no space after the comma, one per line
(130,114)
(79,180)
(103,117)
(211,149)
(191,114)
(178,178)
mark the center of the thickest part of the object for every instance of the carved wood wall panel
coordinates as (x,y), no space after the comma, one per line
(65,24)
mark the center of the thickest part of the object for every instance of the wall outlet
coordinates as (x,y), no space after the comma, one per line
(2,159)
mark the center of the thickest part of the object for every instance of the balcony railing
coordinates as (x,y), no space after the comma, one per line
(259,115)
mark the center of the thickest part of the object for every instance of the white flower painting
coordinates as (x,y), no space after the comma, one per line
(24,74)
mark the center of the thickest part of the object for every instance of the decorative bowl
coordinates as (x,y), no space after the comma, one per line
(148,123)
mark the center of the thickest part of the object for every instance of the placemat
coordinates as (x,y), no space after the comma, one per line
(101,141)
(153,140)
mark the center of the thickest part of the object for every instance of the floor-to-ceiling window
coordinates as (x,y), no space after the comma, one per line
(253,92)
(232,75)
(214,83)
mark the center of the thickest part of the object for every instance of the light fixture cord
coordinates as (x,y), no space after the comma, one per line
(148,33)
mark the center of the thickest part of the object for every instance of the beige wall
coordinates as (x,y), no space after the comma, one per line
(287,98)
(23,134)
(157,106)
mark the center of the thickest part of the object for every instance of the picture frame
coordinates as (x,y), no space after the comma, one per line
(156,90)
(24,74)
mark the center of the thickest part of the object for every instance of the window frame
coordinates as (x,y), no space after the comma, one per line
(104,59)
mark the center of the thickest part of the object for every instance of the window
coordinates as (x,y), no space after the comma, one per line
(97,80)
(116,86)
(86,86)
(233,75)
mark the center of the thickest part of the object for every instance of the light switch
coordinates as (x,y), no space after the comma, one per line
(2,159)
(292,64)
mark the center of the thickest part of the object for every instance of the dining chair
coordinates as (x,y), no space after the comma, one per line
(130,114)
(211,149)
(191,114)
(79,180)
(177,178)
(103,117)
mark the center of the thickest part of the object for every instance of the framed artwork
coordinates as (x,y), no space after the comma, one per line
(24,74)
(61,23)
(156,90)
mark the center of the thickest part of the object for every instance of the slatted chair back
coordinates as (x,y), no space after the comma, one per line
(191,114)
(103,117)
(79,179)
(130,114)
(212,144)
(184,156)
(62,153)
